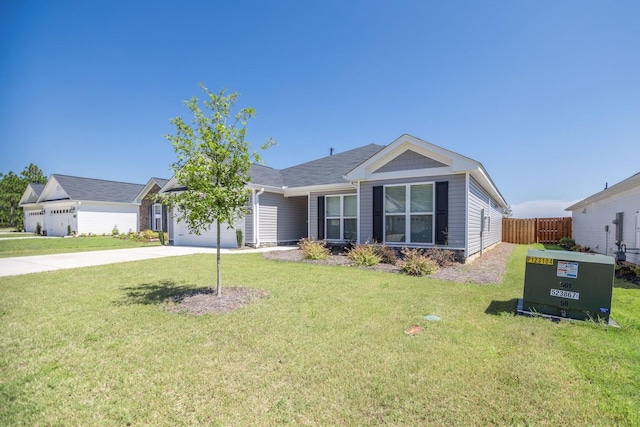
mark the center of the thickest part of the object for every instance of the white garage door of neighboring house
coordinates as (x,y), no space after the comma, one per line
(58,222)
(31,220)
(182,236)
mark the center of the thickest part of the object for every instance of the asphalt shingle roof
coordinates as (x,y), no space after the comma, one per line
(98,190)
(327,170)
(37,188)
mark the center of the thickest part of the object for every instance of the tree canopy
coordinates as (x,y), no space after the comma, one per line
(12,188)
(213,161)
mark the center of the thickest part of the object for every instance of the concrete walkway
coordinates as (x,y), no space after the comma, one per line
(36,264)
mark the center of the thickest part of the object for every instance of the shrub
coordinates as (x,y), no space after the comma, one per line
(364,255)
(68,230)
(38,228)
(626,270)
(239,238)
(161,237)
(386,254)
(416,263)
(567,243)
(149,234)
(312,249)
(115,230)
(442,257)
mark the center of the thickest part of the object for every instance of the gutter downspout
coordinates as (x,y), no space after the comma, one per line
(256,217)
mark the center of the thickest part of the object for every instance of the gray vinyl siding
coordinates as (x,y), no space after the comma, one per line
(170,222)
(313,209)
(410,160)
(478,200)
(248,222)
(282,219)
(456,210)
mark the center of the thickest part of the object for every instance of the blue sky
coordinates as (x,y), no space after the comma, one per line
(546,94)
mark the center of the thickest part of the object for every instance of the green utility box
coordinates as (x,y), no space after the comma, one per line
(564,284)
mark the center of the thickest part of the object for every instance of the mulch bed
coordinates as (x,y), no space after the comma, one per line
(484,270)
(206,301)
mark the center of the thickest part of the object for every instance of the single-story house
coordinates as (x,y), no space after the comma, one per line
(69,204)
(610,218)
(409,193)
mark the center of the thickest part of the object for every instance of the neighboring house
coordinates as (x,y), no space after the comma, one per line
(33,213)
(409,193)
(609,217)
(81,206)
(153,214)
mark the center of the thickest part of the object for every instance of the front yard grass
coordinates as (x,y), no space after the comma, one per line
(57,245)
(94,346)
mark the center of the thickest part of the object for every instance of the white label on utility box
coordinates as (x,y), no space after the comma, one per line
(565,294)
(567,269)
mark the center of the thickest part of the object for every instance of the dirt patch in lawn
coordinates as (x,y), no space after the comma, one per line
(206,301)
(483,270)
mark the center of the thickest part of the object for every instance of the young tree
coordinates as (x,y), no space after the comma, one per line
(213,165)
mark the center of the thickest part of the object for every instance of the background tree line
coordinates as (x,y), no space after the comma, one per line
(12,188)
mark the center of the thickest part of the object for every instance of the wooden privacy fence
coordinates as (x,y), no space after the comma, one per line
(535,230)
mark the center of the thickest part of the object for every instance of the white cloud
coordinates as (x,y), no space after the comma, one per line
(542,209)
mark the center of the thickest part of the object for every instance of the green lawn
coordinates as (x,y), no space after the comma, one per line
(14,235)
(56,245)
(94,346)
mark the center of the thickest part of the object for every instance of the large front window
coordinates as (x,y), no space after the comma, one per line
(408,213)
(342,217)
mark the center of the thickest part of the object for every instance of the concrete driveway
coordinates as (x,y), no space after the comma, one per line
(36,264)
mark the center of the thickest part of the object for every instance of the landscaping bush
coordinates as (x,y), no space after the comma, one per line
(416,263)
(386,254)
(38,228)
(442,257)
(365,255)
(567,243)
(312,249)
(239,238)
(149,234)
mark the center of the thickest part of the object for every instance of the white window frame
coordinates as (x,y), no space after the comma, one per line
(155,216)
(341,217)
(407,214)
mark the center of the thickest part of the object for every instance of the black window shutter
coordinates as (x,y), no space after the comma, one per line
(442,212)
(320,217)
(150,217)
(378,214)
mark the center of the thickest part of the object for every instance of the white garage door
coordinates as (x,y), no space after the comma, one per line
(182,236)
(31,220)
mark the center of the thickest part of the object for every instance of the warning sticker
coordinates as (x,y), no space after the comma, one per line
(567,269)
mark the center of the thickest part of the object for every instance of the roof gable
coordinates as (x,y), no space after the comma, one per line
(409,157)
(410,160)
(632,182)
(31,194)
(160,182)
(64,187)
(409,153)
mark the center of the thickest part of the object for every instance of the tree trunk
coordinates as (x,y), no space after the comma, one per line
(218,285)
